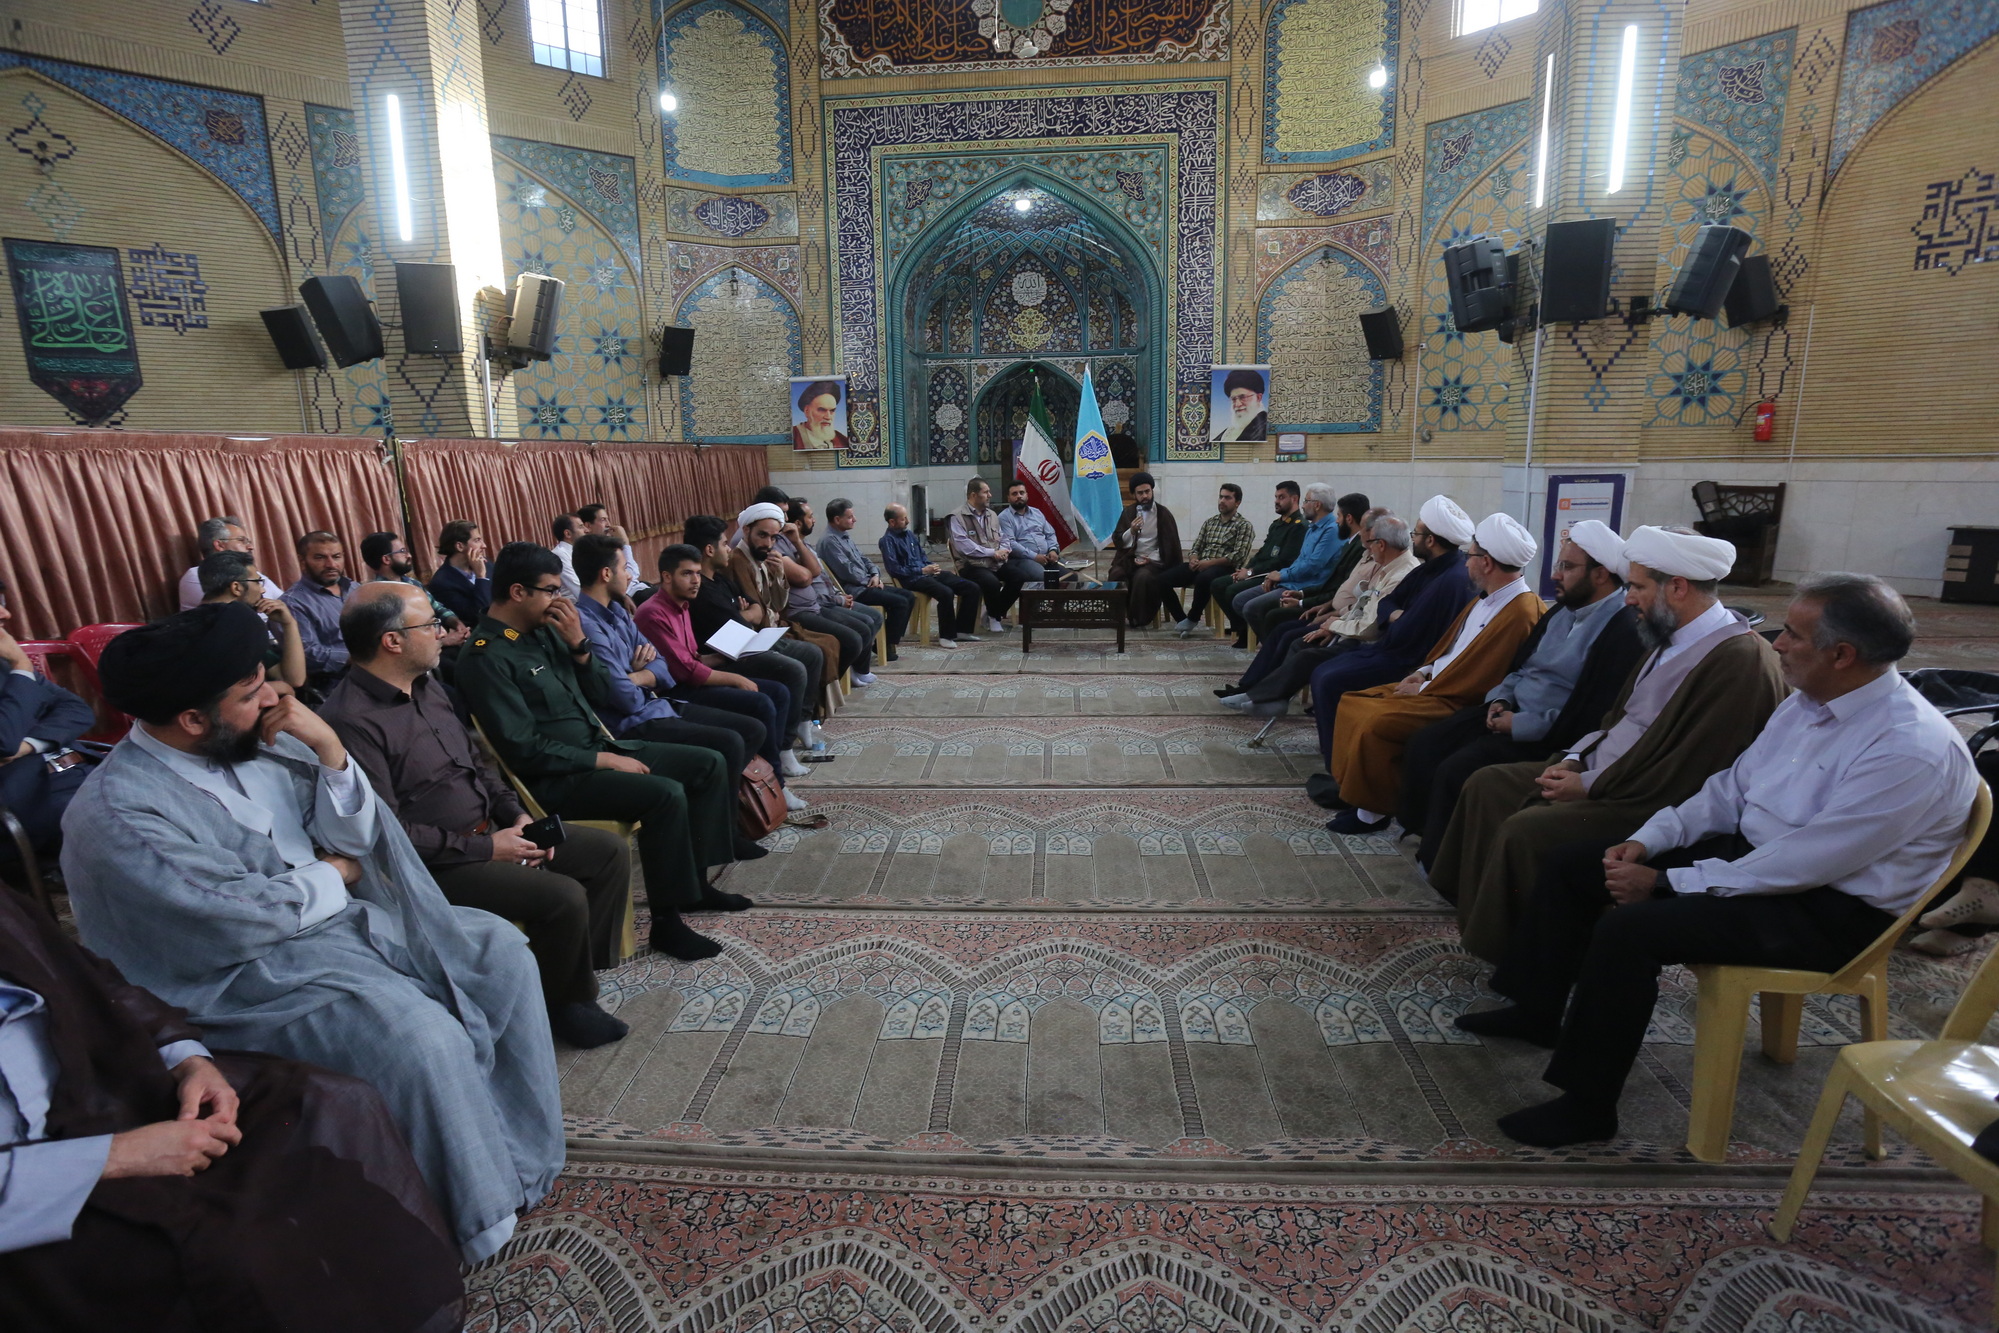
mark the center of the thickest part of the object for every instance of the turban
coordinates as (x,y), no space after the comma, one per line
(1441,515)
(818,389)
(757,512)
(1685,554)
(1600,542)
(1243,379)
(185,661)
(1501,537)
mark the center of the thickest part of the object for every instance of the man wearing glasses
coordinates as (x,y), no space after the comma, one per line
(532,681)
(219,534)
(231,576)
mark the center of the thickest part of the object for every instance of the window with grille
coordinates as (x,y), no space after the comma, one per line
(568,34)
(1478,15)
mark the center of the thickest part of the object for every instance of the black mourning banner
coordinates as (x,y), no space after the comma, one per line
(75,328)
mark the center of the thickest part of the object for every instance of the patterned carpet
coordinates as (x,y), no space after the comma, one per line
(1076,1018)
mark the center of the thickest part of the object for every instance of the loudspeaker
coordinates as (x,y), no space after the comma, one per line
(1752,297)
(1708,273)
(1481,296)
(345,317)
(1383,330)
(1575,271)
(427,295)
(676,350)
(536,316)
(291,333)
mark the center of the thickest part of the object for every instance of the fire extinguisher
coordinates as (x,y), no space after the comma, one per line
(1766,421)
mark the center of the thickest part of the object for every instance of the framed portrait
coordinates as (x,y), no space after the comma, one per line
(819,412)
(1238,404)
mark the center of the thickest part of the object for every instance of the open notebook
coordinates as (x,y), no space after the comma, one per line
(736,640)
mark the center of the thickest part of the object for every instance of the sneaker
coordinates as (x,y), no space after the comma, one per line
(789,765)
(968,638)
(793,801)
(995,626)
(1975,903)
(947,643)
(865,679)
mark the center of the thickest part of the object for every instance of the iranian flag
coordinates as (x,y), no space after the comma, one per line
(1038,465)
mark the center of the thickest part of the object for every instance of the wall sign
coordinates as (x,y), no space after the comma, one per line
(75,328)
(1573,497)
(1291,442)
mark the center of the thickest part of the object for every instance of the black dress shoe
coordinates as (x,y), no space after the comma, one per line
(750,851)
(1557,1124)
(1225,691)
(715,900)
(671,936)
(807,757)
(1324,791)
(584,1025)
(1350,823)
(1513,1021)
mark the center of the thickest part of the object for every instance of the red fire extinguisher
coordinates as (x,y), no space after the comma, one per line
(1766,421)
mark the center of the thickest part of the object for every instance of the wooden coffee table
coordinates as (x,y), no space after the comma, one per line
(1071,608)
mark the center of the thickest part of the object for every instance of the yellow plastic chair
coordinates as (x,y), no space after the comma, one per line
(1721,1017)
(881,641)
(628,943)
(919,616)
(1217,619)
(1937,1094)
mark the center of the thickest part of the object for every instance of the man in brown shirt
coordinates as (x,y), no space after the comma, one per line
(399,722)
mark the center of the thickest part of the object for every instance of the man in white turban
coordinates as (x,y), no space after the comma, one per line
(1470,658)
(1704,689)
(1443,516)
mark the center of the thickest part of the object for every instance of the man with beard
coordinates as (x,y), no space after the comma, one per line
(819,404)
(1247,420)
(231,576)
(1568,675)
(1707,685)
(315,601)
(1282,541)
(597,522)
(231,858)
(386,558)
(819,606)
(1147,542)
(756,572)
(1030,536)
(1219,550)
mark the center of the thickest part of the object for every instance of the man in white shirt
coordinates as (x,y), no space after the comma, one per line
(596,519)
(566,528)
(1834,821)
(219,534)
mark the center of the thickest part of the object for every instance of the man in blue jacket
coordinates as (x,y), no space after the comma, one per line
(1324,540)
(38,770)
(902,551)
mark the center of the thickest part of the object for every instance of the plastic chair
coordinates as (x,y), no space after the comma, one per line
(1217,619)
(881,641)
(31,864)
(1721,1018)
(1937,1094)
(88,642)
(42,651)
(628,944)
(919,616)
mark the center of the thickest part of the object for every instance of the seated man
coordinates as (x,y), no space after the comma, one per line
(1322,546)
(231,576)
(597,522)
(1282,541)
(218,534)
(758,575)
(230,858)
(792,664)
(1469,659)
(1412,618)
(1028,533)
(398,721)
(1221,548)
(1705,688)
(1566,677)
(856,576)
(1147,556)
(460,583)
(1267,617)
(564,529)
(39,772)
(984,557)
(816,604)
(639,706)
(1837,817)
(534,684)
(148,1184)
(315,601)
(1284,661)
(386,558)
(904,556)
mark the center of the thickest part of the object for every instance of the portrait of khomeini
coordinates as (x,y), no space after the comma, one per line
(819,413)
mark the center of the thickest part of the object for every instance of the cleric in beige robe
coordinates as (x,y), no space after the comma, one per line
(1475,654)
(1694,703)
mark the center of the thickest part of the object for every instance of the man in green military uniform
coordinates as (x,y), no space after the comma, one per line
(1280,547)
(531,679)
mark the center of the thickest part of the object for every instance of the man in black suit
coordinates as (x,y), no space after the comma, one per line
(38,770)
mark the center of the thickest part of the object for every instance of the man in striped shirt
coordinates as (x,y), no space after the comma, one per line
(1222,548)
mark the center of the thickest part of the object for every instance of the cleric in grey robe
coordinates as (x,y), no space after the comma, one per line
(228,857)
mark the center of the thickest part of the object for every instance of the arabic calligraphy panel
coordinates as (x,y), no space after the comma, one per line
(1308,332)
(75,329)
(1318,105)
(746,349)
(734,122)
(860,38)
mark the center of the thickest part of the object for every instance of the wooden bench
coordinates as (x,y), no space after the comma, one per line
(1751,518)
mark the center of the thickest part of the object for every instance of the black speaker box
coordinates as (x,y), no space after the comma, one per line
(535,318)
(1575,271)
(345,318)
(427,296)
(1752,297)
(1383,330)
(1709,271)
(291,333)
(676,350)
(1481,296)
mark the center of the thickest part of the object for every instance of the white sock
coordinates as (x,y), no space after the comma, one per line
(1368,816)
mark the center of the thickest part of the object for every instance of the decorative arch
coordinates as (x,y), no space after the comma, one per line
(749,344)
(1464,374)
(1308,333)
(733,77)
(1890,51)
(1317,107)
(1029,308)
(994,434)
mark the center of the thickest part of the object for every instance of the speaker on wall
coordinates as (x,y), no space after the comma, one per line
(291,333)
(676,350)
(345,318)
(1575,271)
(1752,297)
(427,296)
(1383,330)
(1709,271)
(537,314)
(1481,295)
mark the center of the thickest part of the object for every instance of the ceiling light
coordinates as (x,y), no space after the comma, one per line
(1022,205)
(1620,125)
(399,165)
(1547,101)
(1378,77)
(668,102)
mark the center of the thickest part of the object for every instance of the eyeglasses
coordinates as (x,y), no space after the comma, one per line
(432,624)
(556,591)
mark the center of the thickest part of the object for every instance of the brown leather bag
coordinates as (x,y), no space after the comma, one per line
(760,806)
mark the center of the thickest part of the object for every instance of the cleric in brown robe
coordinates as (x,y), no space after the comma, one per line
(223,1194)
(1147,541)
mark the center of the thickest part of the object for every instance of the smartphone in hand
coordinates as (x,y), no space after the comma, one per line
(546,833)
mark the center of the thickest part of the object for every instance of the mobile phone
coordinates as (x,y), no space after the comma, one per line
(546,833)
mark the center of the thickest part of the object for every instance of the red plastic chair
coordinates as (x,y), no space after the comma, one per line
(88,642)
(42,651)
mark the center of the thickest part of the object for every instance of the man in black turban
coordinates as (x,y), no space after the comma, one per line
(191,664)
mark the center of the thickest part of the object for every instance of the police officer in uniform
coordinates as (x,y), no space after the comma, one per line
(530,677)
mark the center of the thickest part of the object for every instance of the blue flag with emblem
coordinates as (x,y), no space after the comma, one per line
(1095,492)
